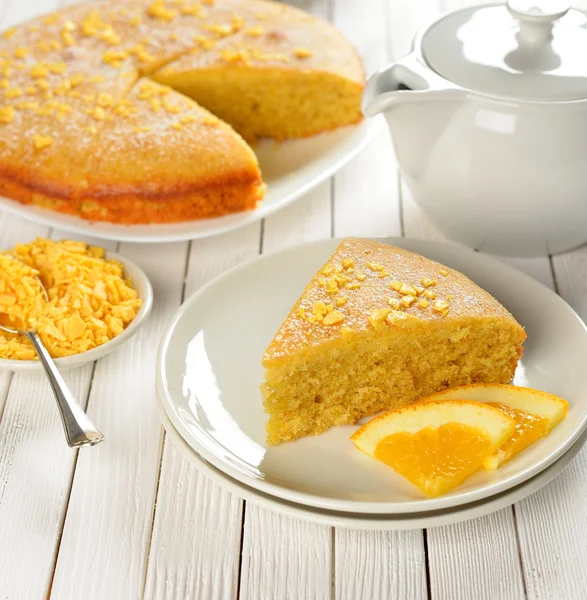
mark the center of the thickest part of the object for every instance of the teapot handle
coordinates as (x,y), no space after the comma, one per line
(408,78)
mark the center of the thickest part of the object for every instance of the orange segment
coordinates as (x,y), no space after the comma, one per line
(529,428)
(535,412)
(436,445)
(436,459)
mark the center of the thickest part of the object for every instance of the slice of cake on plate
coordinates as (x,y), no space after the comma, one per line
(377,328)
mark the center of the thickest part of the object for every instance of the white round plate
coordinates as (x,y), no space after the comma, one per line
(141,283)
(392,522)
(290,170)
(209,372)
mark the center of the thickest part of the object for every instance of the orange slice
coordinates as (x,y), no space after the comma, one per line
(536,413)
(436,445)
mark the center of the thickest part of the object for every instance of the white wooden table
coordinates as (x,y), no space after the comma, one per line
(132,519)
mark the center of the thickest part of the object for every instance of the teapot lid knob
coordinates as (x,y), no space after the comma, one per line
(537,17)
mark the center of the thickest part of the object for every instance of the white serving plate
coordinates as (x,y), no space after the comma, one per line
(144,289)
(209,372)
(290,170)
(378,522)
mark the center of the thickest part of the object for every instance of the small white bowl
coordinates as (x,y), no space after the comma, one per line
(145,291)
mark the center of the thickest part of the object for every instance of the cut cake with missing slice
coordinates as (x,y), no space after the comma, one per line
(377,328)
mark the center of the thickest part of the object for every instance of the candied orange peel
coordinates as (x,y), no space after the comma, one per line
(89,300)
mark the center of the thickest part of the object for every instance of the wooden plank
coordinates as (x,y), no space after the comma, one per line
(35,477)
(476,559)
(108,525)
(195,551)
(195,546)
(373,564)
(284,557)
(552,523)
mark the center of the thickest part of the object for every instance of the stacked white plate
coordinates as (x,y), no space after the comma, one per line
(209,373)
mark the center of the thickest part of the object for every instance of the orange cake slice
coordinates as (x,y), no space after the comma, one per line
(270,70)
(162,158)
(376,328)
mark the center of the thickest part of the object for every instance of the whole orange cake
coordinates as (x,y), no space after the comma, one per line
(81,131)
(377,328)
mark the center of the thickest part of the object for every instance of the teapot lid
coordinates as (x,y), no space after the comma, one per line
(527,50)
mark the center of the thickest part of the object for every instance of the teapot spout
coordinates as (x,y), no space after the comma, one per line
(404,81)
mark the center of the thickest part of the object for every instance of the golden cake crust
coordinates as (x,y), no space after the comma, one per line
(64,76)
(455,296)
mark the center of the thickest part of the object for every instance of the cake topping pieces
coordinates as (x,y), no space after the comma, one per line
(429,294)
(92,24)
(428,282)
(9,33)
(407,301)
(110,37)
(98,113)
(332,286)
(341,300)
(443,272)
(394,303)
(302,53)
(374,266)
(21,52)
(407,290)
(423,304)
(361,276)
(441,306)
(6,114)
(51,19)
(194,10)
(348,263)
(114,58)
(39,70)
(378,316)
(42,141)
(254,31)
(319,308)
(15,92)
(333,318)
(158,10)
(104,100)
(221,30)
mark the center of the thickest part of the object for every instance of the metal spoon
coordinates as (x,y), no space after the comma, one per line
(79,430)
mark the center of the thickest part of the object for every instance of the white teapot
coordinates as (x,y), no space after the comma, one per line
(488,117)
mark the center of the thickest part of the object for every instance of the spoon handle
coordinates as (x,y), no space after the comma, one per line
(79,430)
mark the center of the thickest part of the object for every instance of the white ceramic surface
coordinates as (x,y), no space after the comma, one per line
(492,143)
(382,522)
(142,284)
(290,170)
(209,372)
